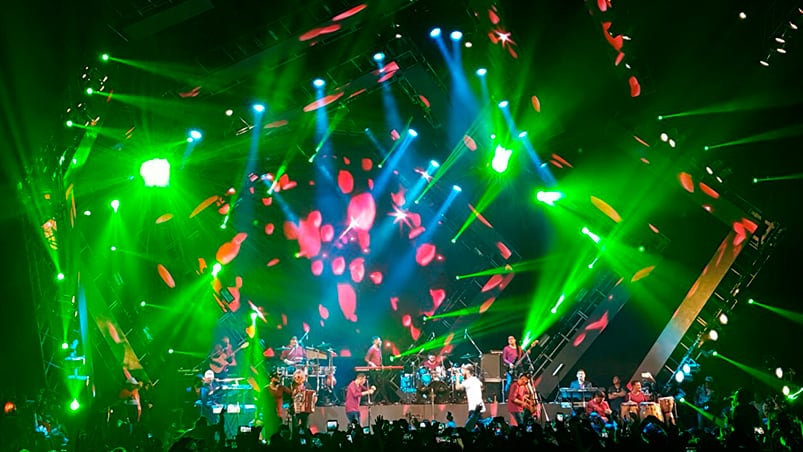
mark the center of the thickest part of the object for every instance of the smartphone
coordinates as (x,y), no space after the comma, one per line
(422,425)
(366,430)
(529,428)
(245,429)
(559,417)
(302,441)
(331,426)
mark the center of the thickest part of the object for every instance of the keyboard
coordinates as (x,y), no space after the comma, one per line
(377,369)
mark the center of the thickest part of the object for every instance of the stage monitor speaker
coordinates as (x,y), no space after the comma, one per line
(491,366)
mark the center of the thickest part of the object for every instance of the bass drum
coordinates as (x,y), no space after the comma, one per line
(424,377)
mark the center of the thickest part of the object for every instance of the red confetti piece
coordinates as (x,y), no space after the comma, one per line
(504,250)
(357,269)
(424,254)
(643,273)
(269,228)
(615,41)
(635,87)
(228,251)
(323,312)
(424,100)
(579,339)
(224,209)
(345,181)
(398,197)
(191,93)
(164,218)
(317,267)
(506,280)
(606,208)
(309,235)
(654,229)
(603,5)
(166,276)
(327,233)
(470,143)
(276,124)
(322,102)
(479,216)
(347,299)
(415,232)
(338,265)
(394,134)
(598,325)
(203,205)
(415,333)
(686,182)
(362,212)
(407,320)
(367,164)
(644,161)
(348,13)
(273,262)
(619,57)
(357,93)
(493,17)
(346,161)
(375,277)
(750,225)
(386,76)
(536,103)
(437,295)
(492,282)
(486,305)
(637,138)
(394,303)
(708,190)
(562,160)
(201,265)
(556,163)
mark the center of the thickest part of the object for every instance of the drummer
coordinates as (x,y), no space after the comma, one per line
(434,366)
(636,395)
(292,354)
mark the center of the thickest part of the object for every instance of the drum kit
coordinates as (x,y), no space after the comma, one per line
(318,368)
(433,381)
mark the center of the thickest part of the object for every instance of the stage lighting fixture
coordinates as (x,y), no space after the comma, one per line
(779,372)
(457,188)
(142,303)
(548,197)
(435,33)
(671,143)
(155,173)
(792,25)
(60,276)
(456,35)
(69,123)
(90,91)
(686,368)
(679,377)
(523,134)
(170,351)
(65,346)
(259,108)
(780,50)
(468,44)
(705,148)
(764,63)
(780,40)
(660,118)
(501,158)
(115,204)
(751,301)
(74,405)
(379,56)
(196,134)
(785,390)
(412,133)
(742,15)
(434,164)
(713,335)
(104,57)
(504,104)
(723,318)
(482,71)
(229,112)
(664,137)
(319,83)
(254,316)
(398,36)
(112,248)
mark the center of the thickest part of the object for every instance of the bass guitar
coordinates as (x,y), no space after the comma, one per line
(223,361)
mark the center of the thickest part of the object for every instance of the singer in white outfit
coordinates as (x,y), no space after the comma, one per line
(473,388)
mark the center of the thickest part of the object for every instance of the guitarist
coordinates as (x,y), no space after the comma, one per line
(521,400)
(511,355)
(223,358)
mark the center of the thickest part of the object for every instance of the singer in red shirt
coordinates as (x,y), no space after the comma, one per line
(354,392)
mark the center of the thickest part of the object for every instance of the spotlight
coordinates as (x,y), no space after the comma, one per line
(713,335)
(779,372)
(115,204)
(504,104)
(468,44)
(142,303)
(379,56)
(65,346)
(723,318)
(196,134)
(660,118)
(319,83)
(705,148)
(412,133)
(686,368)
(456,35)
(434,164)
(60,276)
(435,33)
(742,15)
(254,316)
(90,91)
(709,170)
(259,108)
(751,301)
(229,112)
(113,248)
(664,137)
(104,57)
(398,36)
(69,123)
(785,390)
(87,213)
(522,134)
(780,40)
(170,351)
(457,188)
(679,376)
(764,63)
(481,72)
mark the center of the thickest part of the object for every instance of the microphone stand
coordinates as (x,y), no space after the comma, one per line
(468,336)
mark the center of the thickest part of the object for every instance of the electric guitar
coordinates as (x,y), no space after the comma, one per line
(513,367)
(223,361)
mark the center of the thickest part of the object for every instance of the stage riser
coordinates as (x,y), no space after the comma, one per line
(317,420)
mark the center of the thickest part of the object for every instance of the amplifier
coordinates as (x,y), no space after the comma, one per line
(491,366)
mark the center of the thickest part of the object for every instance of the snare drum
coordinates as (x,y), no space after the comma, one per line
(407,384)
(647,409)
(627,409)
(667,405)
(456,375)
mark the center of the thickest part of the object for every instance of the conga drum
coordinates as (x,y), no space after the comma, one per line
(667,405)
(647,409)
(627,410)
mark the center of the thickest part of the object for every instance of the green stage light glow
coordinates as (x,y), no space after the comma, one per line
(115,204)
(74,405)
(104,57)
(65,346)
(60,276)
(501,159)
(155,173)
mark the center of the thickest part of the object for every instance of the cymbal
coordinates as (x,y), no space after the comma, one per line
(467,356)
(283,348)
(324,345)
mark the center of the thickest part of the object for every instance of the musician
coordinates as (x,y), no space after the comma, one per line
(521,400)
(277,392)
(355,390)
(511,355)
(208,395)
(223,357)
(599,407)
(293,354)
(617,394)
(434,366)
(581,382)
(374,356)
(703,397)
(301,407)
(636,395)
(473,387)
